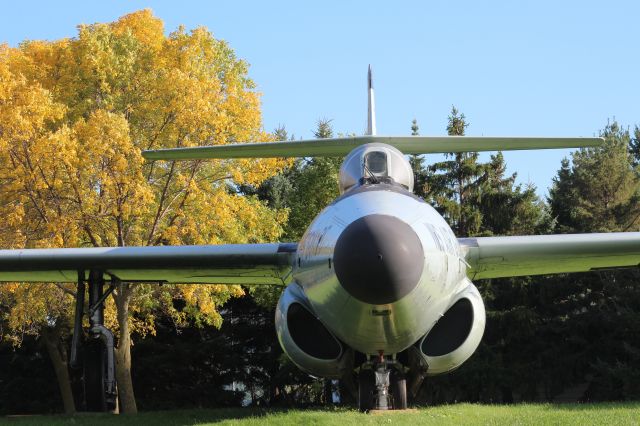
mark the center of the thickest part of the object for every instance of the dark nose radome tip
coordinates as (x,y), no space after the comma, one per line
(378,259)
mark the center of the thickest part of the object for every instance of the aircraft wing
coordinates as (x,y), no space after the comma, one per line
(337,147)
(496,257)
(214,264)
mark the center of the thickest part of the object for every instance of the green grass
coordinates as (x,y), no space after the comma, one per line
(458,414)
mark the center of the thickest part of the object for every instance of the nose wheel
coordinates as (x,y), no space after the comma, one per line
(366,387)
(382,385)
(399,390)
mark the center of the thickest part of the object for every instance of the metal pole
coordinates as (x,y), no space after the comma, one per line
(77,322)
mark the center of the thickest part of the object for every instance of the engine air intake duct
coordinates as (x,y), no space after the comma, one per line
(450,331)
(306,340)
(456,335)
(310,334)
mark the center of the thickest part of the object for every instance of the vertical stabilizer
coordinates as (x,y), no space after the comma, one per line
(371,117)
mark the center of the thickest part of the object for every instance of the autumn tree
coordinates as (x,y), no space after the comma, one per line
(74,117)
(26,113)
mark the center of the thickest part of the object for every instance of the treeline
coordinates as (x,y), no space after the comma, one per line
(561,338)
(571,337)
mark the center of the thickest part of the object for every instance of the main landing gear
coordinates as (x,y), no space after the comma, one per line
(98,362)
(382,385)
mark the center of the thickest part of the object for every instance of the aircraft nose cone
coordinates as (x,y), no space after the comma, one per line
(378,259)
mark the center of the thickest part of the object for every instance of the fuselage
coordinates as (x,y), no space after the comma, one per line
(379,267)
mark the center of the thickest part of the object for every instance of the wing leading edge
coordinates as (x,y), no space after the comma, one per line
(216,264)
(337,147)
(496,257)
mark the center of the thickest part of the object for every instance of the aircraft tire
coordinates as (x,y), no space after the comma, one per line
(366,386)
(399,391)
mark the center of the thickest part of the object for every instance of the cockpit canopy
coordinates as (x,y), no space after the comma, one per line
(375,163)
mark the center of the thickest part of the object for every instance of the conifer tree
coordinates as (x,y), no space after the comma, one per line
(561,199)
(275,191)
(507,208)
(483,199)
(634,146)
(453,185)
(316,185)
(420,172)
(599,193)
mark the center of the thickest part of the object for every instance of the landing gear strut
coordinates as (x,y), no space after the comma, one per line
(382,385)
(98,361)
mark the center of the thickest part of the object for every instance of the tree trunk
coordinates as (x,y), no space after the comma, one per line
(58,355)
(126,397)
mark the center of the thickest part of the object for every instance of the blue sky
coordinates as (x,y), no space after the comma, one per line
(521,68)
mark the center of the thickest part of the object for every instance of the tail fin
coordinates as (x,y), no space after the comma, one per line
(371,117)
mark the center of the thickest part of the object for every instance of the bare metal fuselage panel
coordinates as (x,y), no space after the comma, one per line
(389,327)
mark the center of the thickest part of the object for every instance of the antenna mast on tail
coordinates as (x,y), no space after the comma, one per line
(371,117)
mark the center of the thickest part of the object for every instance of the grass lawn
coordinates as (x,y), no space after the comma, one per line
(458,414)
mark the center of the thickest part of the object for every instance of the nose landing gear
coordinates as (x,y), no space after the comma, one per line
(382,385)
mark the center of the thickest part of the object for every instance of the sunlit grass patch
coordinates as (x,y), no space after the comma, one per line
(456,414)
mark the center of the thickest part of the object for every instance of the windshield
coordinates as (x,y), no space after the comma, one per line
(375,163)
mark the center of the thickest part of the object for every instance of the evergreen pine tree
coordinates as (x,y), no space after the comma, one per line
(417,165)
(599,310)
(634,146)
(600,191)
(561,199)
(507,208)
(316,185)
(483,199)
(453,185)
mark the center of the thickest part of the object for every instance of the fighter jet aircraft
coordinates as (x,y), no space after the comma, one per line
(378,292)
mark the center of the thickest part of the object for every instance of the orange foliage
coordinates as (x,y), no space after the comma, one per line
(75,115)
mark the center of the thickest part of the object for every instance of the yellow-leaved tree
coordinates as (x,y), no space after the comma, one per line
(74,117)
